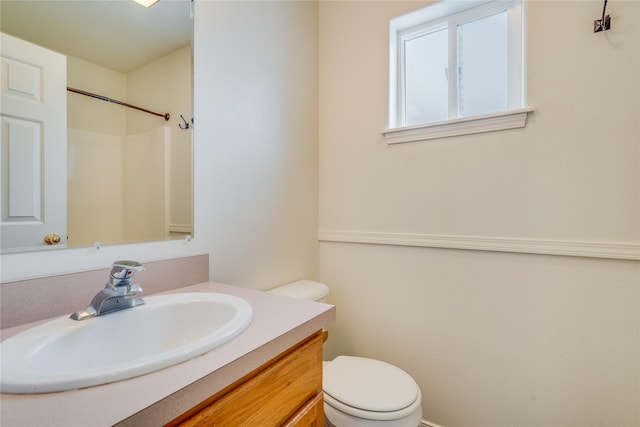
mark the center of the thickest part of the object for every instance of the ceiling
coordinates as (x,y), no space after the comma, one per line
(117,34)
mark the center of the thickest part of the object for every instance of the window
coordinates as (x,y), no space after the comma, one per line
(456,62)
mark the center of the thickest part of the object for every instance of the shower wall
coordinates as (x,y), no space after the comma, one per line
(94,154)
(94,188)
(122,163)
(165,86)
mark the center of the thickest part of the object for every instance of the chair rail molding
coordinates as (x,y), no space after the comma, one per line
(578,248)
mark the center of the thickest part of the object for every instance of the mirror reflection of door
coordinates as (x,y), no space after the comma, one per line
(34,134)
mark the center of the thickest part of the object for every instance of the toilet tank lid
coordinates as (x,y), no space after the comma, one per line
(303,289)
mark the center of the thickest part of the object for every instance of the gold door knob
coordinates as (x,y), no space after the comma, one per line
(52,239)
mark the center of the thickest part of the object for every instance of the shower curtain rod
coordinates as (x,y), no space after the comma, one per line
(115,101)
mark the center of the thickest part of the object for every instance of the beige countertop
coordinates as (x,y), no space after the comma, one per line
(156,398)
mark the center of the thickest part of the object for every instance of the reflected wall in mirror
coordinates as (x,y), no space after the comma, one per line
(129,173)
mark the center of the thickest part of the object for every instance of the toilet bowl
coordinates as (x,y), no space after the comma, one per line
(368,392)
(361,392)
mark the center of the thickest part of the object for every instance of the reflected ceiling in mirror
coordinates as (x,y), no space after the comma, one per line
(121,50)
(117,34)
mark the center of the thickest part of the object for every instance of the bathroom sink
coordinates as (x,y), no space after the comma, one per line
(65,354)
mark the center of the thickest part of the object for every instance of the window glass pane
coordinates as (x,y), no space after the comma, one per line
(482,53)
(426,88)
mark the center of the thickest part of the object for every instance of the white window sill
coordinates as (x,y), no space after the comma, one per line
(510,119)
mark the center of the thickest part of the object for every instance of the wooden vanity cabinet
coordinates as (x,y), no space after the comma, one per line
(285,391)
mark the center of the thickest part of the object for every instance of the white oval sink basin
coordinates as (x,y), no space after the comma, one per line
(65,354)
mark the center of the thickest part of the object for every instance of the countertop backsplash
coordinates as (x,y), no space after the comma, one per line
(31,300)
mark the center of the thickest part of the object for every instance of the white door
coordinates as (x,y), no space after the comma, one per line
(33,115)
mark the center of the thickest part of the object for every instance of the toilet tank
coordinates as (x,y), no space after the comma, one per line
(303,289)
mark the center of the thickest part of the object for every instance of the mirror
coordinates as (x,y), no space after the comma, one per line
(129,172)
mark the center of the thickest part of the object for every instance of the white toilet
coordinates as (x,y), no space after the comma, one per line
(361,392)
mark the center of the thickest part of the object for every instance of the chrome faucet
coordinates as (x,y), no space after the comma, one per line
(118,294)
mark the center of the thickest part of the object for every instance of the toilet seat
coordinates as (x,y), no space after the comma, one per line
(370,389)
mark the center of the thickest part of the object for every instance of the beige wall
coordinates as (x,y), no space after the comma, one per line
(89,114)
(163,86)
(493,339)
(257,184)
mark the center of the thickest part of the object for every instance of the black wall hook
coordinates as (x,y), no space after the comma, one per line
(186,123)
(604,23)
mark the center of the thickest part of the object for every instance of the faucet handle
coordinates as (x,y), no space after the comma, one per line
(123,271)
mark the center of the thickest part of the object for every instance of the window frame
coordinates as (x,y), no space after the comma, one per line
(450,14)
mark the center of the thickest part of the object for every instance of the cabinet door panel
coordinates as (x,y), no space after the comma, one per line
(311,415)
(271,397)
